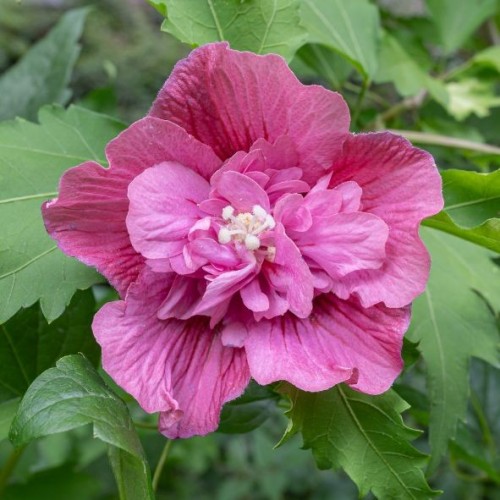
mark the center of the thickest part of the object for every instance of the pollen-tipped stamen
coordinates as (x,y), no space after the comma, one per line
(245,227)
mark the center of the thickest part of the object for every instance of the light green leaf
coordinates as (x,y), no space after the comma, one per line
(29,345)
(351,28)
(486,234)
(71,395)
(32,159)
(364,435)
(42,75)
(472,208)
(489,57)
(452,322)
(398,67)
(8,410)
(457,20)
(159,5)
(471,96)
(260,26)
(471,197)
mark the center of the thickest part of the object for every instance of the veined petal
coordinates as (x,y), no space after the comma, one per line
(88,222)
(229,100)
(339,342)
(402,186)
(151,141)
(179,368)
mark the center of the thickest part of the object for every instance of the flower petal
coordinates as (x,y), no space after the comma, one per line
(150,141)
(88,222)
(340,342)
(179,368)
(402,186)
(242,192)
(346,242)
(224,286)
(229,100)
(290,275)
(163,208)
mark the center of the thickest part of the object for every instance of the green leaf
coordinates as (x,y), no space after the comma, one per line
(457,20)
(351,28)
(29,345)
(42,75)
(326,63)
(472,207)
(452,322)
(364,435)
(398,67)
(471,197)
(260,26)
(486,234)
(471,96)
(8,410)
(248,411)
(159,5)
(32,159)
(71,395)
(489,57)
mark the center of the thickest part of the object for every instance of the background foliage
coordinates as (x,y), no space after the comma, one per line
(428,70)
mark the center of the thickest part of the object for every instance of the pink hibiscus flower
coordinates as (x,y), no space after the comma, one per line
(250,235)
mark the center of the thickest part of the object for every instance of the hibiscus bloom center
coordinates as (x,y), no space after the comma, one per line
(246,227)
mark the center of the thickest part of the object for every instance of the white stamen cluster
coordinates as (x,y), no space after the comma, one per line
(245,227)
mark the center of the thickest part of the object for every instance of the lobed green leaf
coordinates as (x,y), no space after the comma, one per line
(260,26)
(364,435)
(453,322)
(32,159)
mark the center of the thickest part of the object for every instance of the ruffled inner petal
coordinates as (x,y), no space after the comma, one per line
(344,243)
(163,209)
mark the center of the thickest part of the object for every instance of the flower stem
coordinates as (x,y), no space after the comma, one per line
(446,141)
(161,464)
(9,467)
